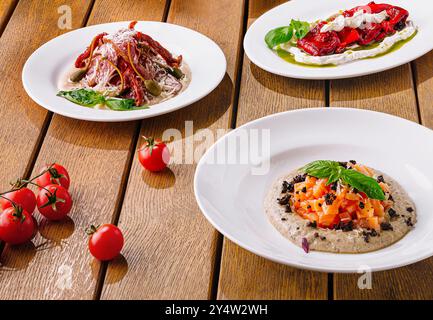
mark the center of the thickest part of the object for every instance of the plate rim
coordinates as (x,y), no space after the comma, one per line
(134,114)
(274,259)
(319,76)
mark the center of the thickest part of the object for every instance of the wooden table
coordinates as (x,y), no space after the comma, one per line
(171,251)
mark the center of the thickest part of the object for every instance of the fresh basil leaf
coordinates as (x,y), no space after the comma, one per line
(363,183)
(278,36)
(301,28)
(323,169)
(120,104)
(83,97)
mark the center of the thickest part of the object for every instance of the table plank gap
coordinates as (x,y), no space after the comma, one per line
(172,249)
(96,155)
(240,58)
(244,275)
(399,98)
(7,8)
(423,81)
(123,186)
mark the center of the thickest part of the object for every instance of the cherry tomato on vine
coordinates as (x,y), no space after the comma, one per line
(54,202)
(153,155)
(17,226)
(55,174)
(23,197)
(105,242)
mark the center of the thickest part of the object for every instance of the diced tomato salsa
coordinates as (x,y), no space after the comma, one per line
(334,205)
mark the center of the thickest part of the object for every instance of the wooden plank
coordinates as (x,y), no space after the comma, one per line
(396,97)
(96,155)
(423,68)
(21,119)
(243,274)
(170,247)
(22,122)
(6,9)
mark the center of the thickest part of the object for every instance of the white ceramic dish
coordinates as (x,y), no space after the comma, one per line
(45,67)
(231,195)
(420,11)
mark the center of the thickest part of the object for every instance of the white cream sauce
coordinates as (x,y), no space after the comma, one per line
(360,19)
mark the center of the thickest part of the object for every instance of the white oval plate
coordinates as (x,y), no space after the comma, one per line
(420,12)
(231,194)
(45,67)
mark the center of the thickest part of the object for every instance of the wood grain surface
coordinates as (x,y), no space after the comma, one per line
(244,275)
(21,119)
(96,155)
(171,251)
(6,9)
(171,248)
(397,98)
(23,122)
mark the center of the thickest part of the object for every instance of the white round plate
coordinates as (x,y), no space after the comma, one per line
(45,67)
(420,11)
(231,193)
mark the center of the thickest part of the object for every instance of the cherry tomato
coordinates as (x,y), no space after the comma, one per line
(154,155)
(23,197)
(54,202)
(17,226)
(56,174)
(105,242)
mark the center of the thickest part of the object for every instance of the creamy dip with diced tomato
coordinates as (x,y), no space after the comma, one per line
(337,218)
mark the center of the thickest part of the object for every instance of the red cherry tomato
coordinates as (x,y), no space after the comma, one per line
(17,226)
(56,174)
(105,242)
(154,155)
(54,202)
(23,197)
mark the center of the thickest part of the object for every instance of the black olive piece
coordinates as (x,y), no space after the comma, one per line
(386,226)
(285,188)
(410,209)
(329,198)
(409,222)
(284,200)
(362,205)
(312,224)
(352,162)
(380,179)
(343,164)
(392,213)
(288,209)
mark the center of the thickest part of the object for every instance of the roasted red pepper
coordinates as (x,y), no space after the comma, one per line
(319,43)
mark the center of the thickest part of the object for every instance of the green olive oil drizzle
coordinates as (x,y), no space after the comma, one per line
(288,57)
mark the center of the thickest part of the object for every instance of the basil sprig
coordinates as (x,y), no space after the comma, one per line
(333,171)
(295,31)
(83,97)
(90,98)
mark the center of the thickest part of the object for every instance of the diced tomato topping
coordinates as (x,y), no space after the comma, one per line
(314,200)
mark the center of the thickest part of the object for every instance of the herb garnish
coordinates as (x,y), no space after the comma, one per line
(90,98)
(333,171)
(295,31)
